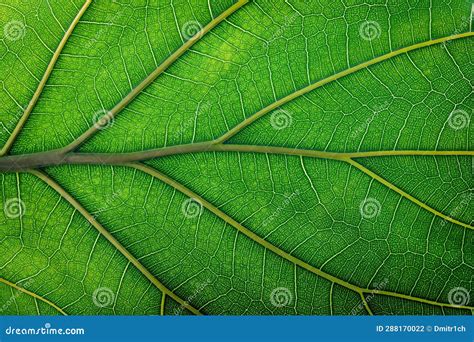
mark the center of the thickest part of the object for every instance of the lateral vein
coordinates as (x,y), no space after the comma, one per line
(405,194)
(152,77)
(225,137)
(250,234)
(64,194)
(32,294)
(43,81)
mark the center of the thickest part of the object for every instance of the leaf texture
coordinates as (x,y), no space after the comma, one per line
(165,157)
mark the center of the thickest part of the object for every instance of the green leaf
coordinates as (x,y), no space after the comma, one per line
(236,157)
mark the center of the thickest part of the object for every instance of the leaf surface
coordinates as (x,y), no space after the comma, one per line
(236,157)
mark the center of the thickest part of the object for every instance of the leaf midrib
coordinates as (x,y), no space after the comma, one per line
(21,163)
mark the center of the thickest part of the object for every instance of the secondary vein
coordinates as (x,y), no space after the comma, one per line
(406,195)
(157,72)
(332,78)
(266,244)
(43,81)
(32,294)
(64,194)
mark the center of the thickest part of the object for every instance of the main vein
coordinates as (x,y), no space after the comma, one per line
(65,156)
(17,163)
(38,160)
(43,81)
